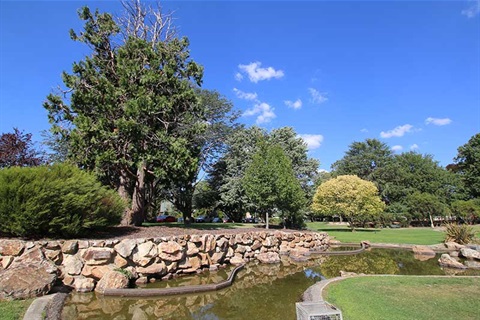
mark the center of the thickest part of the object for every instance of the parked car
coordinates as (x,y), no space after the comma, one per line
(166,218)
(217,220)
(251,220)
(202,219)
(226,220)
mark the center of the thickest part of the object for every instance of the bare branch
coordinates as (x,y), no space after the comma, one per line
(146,22)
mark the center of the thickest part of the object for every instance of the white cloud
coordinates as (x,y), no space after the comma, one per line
(265,113)
(437,121)
(364,130)
(245,95)
(313,141)
(255,73)
(397,148)
(473,10)
(397,132)
(238,76)
(316,96)
(414,147)
(294,104)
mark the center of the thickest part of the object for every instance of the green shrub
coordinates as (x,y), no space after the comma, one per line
(459,233)
(56,201)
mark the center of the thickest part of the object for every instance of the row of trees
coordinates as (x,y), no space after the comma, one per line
(133,113)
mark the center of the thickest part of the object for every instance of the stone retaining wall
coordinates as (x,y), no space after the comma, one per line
(80,264)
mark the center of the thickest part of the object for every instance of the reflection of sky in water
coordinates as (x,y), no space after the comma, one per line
(312,274)
(201,314)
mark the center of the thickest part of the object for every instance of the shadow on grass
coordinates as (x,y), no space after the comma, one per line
(201,226)
(361,230)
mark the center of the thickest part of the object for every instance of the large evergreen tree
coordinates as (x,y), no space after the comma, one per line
(468,165)
(130,107)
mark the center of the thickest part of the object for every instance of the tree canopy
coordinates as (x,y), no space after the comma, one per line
(468,165)
(130,107)
(271,185)
(348,196)
(16,149)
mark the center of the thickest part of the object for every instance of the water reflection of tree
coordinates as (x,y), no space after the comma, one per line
(371,262)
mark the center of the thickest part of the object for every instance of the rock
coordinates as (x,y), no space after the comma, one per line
(70,247)
(470,253)
(144,253)
(208,243)
(125,247)
(23,282)
(96,272)
(472,264)
(423,250)
(191,249)
(11,247)
(97,256)
(52,245)
(112,280)
(453,245)
(268,257)
(447,261)
(217,257)
(6,261)
(141,281)
(237,260)
(83,284)
(190,265)
(120,261)
(158,269)
(54,255)
(170,251)
(300,255)
(73,265)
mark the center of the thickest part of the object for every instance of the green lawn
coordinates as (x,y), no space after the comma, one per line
(424,236)
(14,310)
(202,226)
(405,298)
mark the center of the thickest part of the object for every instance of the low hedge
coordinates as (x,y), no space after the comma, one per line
(54,201)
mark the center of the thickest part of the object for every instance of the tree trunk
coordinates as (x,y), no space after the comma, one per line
(267,225)
(123,192)
(431,220)
(138,199)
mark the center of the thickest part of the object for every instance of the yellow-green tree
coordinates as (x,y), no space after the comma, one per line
(348,196)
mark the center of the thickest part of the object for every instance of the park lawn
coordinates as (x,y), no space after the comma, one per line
(14,310)
(405,298)
(201,226)
(424,236)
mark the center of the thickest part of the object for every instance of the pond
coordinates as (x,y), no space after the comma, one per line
(260,291)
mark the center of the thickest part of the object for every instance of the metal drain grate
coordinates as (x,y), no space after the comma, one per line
(320,310)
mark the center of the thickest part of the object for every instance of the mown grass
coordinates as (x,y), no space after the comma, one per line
(423,236)
(405,298)
(14,310)
(201,226)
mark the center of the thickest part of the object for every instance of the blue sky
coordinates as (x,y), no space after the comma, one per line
(404,72)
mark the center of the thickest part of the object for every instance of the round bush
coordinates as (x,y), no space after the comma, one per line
(55,201)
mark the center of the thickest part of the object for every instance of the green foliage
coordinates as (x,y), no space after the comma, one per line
(57,201)
(424,206)
(130,107)
(348,196)
(270,183)
(468,165)
(363,159)
(468,210)
(459,233)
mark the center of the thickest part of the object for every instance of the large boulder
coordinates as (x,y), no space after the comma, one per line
(112,280)
(470,253)
(448,262)
(11,247)
(30,275)
(423,253)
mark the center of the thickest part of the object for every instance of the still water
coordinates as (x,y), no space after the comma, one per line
(259,292)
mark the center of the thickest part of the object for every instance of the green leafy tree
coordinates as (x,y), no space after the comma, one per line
(467,165)
(220,121)
(425,206)
(271,185)
(130,107)
(412,172)
(227,173)
(363,159)
(468,210)
(348,196)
